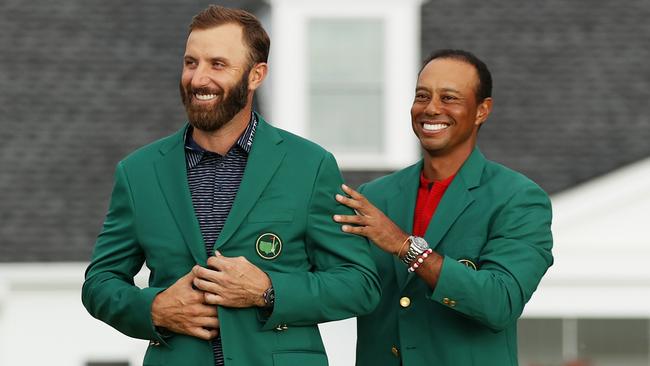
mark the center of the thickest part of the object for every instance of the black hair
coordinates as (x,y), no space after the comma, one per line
(484,87)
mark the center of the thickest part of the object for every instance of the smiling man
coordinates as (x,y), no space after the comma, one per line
(461,242)
(233,218)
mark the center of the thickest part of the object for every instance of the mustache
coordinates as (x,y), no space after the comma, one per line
(203,90)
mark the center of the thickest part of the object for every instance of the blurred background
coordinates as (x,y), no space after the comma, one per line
(85,82)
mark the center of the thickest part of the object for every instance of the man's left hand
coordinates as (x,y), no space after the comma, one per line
(231,282)
(370,222)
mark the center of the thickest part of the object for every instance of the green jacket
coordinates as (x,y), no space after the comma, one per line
(490,215)
(288,189)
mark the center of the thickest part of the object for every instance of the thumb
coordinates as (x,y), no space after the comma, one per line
(189,276)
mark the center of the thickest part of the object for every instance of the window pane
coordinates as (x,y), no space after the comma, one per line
(345,84)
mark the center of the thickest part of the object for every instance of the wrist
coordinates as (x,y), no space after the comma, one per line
(268,298)
(402,248)
(416,247)
(155,319)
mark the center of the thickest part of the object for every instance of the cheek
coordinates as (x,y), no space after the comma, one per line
(186,77)
(416,110)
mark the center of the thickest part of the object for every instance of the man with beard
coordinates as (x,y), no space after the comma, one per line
(232,217)
(461,242)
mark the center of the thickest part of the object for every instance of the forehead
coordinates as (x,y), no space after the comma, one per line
(449,73)
(224,41)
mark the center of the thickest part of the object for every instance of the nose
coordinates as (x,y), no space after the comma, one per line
(433,108)
(200,77)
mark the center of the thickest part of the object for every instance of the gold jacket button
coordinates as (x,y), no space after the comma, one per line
(405,302)
(154,343)
(445,301)
(452,303)
(395,351)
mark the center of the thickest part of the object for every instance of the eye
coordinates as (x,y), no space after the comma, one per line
(421,97)
(448,98)
(218,65)
(189,62)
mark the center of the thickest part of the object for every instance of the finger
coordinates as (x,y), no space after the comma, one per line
(205,285)
(218,263)
(205,334)
(214,299)
(207,322)
(189,276)
(352,193)
(357,230)
(206,273)
(354,204)
(204,310)
(351,219)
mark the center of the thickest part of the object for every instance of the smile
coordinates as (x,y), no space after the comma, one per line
(205,96)
(434,126)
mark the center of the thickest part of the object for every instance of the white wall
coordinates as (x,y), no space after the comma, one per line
(42,322)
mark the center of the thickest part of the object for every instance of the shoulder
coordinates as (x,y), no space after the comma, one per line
(378,188)
(154,150)
(507,179)
(505,186)
(301,145)
(299,150)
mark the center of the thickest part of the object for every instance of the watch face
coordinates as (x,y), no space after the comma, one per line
(420,242)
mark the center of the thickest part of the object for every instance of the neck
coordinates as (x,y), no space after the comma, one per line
(221,140)
(440,167)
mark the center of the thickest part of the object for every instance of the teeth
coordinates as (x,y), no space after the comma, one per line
(205,96)
(435,126)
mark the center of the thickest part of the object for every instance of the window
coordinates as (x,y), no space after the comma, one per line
(343,74)
(346,80)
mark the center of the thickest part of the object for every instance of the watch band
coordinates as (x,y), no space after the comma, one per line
(416,248)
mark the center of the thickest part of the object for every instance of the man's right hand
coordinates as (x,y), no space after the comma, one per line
(182,309)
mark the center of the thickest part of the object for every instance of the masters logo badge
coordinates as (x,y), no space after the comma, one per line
(268,246)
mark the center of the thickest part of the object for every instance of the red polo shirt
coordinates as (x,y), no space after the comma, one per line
(429,195)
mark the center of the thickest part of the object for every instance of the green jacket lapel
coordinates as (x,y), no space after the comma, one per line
(401,208)
(455,200)
(264,159)
(172,177)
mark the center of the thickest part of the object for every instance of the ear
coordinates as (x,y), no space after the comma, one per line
(257,75)
(483,111)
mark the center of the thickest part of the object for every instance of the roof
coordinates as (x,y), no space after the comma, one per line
(601,245)
(571,81)
(85,83)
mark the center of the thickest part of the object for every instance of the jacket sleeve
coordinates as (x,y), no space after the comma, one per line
(109,293)
(512,262)
(343,282)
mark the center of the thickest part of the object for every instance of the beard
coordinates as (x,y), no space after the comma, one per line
(212,117)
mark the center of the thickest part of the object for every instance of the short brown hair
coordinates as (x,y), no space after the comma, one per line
(255,36)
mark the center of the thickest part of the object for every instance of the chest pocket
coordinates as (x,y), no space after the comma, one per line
(270,213)
(466,250)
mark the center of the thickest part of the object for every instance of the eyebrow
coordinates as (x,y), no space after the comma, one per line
(212,59)
(444,90)
(449,90)
(220,59)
